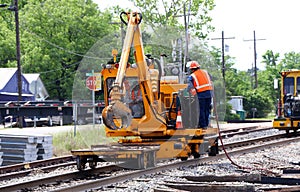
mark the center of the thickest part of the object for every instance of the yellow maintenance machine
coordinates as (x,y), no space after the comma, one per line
(288,110)
(153,115)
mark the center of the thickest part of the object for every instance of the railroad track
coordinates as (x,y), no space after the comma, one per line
(24,169)
(52,181)
(50,164)
(35,164)
(242,131)
(253,141)
(103,176)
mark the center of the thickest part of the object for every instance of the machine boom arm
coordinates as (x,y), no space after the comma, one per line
(117,108)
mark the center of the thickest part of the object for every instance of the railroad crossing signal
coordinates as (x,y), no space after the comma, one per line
(94,82)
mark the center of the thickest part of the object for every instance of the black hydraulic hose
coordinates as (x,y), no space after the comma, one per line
(159,68)
(223,147)
(170,109)
(125,13)
(159,75)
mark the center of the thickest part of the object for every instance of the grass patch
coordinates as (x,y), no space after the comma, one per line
(64,142)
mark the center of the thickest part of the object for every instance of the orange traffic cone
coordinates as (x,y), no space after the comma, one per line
(179,120)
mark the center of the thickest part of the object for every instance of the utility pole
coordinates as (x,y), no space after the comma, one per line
(255,57)
(186,17)
(223,52)
(18,53)
(186,27)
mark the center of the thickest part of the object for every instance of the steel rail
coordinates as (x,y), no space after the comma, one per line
(233,132)
(252,141)
(26,172)
(57,178)
(127,176)
(133,174)
(34,164)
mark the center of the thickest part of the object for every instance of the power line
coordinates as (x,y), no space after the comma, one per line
(57,69)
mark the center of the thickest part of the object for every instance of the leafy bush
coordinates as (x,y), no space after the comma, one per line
(256,99)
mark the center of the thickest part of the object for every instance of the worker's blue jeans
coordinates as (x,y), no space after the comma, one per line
(205,107)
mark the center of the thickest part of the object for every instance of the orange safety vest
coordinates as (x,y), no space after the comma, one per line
(202,81)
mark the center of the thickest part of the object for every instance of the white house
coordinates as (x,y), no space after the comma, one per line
(237,103)
(36,86)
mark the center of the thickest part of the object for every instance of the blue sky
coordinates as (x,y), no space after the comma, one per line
(273,20)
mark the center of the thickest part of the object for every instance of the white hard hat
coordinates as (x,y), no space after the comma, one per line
(192,64)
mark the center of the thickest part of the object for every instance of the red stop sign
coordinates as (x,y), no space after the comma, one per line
(90,82)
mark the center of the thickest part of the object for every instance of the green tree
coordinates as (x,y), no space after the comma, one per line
(7,39)
(266,77)
(56,35)
(291,60)
(256,99)
(169,13)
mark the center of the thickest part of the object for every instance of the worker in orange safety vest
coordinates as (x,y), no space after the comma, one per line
(199,82)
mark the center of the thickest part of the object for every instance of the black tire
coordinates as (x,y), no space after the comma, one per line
(93,164)
(183,158)
(152,159)
(196,155)
(80,163)
(213,151)
(141,162)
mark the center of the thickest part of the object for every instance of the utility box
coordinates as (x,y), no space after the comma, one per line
(241,114)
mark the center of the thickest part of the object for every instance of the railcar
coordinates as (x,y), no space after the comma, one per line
(288,110)
(144,112)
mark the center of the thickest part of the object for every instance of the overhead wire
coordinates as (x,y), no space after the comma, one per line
(62,78)
(57,69)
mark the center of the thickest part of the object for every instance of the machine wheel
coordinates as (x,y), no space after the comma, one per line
(152,159)
(196,155)
(93,164)
(183,158)
(196,151)
(295,132)
(213,151)
(80,163)
(141,161)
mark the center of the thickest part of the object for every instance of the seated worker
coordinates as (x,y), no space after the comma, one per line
(133,98)
(137,105)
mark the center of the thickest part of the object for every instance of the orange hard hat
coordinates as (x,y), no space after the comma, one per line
(194,64)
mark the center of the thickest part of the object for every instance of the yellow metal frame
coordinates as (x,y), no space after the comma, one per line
(152,127)
(283,122)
